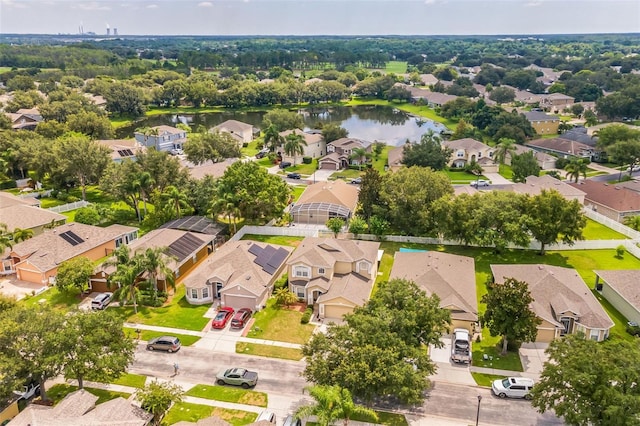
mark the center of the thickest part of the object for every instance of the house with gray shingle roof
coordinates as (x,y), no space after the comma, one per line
(622,289)
(449,276)
(336,275)
(561,299)
(25,213)
(468,150)
(534,185)
(162,138)
(240,273)
(564,148)
(242,132)
(614,201)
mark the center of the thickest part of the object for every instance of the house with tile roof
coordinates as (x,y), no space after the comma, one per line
(315,146)
(622,289)
(25,213)
(336,275)
(183,250)
(37,259)
(561,300)
(468,150)
(79,409)
(534,185)
(543,123)
(241,132)
(162,138)
(240,273)
(324,200)
(122,149)
(449,276)
(614,201)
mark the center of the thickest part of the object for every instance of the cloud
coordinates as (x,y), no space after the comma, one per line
(11,3)
(205,4)
(91,5)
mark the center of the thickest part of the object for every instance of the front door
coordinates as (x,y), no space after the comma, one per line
(310,297)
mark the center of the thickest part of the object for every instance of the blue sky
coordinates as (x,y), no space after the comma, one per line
(313,17)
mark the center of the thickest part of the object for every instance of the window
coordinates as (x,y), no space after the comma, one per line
(301,271)
(363,266)
(460,154)
(594,335)
(321,271)
(194,293)
(205,293)
(300,292)
(490,154)
(479,154)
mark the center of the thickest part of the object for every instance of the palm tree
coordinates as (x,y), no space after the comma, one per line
(632,222)
(176,198)
(153,261)
(294,145)
(284,296)
(5,240)
(332,403)
(361,155)
(126,278)
(22,234)
(272,138)
(145,184)
(575,168)
(505,147)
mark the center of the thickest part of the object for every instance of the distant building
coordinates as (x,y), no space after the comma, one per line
(543,123)
(162,138)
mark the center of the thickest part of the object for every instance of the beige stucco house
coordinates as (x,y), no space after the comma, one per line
(242,132)
(336,275)
(315,146)
(622,289)
(324,200)
(534,185)
(240,273)
(614,201)
(449,276)
(25,213)
(561,300)
(467,150)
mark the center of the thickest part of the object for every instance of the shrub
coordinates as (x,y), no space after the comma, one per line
(282,282)
(87,215)
(306,317)
(72,199)
(620,250)
(8,184)
(307,160)
(561,163)
(62,196)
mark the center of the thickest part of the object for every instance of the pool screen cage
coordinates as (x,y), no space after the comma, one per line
(319,213)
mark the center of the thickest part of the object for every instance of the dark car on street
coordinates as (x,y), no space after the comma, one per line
(222,317)
(285,164)
(241,318)
(293,175)
(164,343)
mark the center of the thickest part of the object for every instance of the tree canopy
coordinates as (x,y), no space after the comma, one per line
(429,152)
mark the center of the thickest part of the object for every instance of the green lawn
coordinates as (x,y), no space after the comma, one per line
(265,162)
(485,379)
(458,176)
(229,394)
(177,314)
(131,380)
(381,162)
(282,325)
(505,171)
(184,411)
(57,393)
(597,231)
(347,174)
(296,191)
(396,67)
(275,239)
(54,298)
(268,351)
(252,149)
(146,335)
(304,169)
(384,418)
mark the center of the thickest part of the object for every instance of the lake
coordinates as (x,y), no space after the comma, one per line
(368,122)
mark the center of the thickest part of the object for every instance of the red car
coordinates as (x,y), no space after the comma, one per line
(222,317)
(241,318)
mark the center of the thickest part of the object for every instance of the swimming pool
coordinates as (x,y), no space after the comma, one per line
(410,250)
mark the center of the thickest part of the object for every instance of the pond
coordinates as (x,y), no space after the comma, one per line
(367,122)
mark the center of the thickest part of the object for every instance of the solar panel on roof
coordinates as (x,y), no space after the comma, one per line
(263,258)
(184,246)
(199,224)
(278,257)
(255,250)
(71,238)
(68,239)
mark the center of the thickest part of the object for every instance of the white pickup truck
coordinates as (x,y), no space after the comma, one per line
(461,346)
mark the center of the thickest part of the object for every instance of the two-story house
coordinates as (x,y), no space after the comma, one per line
(162,138)
(122,149)
(340,154)
(315,146)
(468,150)
(556,102)
(543,123)
(336,275)
(242,132)
(561,300)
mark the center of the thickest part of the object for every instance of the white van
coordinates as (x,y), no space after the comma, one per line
(101,301)
(512,387)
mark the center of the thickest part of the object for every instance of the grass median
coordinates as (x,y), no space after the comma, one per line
(269,351)
(184,411)
(229,394)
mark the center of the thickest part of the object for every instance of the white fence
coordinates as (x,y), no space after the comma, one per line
(616,226)
(69,206)
(292,231)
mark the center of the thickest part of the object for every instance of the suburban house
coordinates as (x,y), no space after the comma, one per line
(395,157)
(543,123)
(315,146)
(339,154)
(242,132)
(544,160)
(162,138)
(241,274)
(615,202)
(564,148)
(561,300)
(122,149)
(207,168)
(183,250)
(37,259)
(524,96)
(201,225)
(449,276)
(534,185)
(556,102)
(25,213)
(427,97)
(622,289)
(25,119)
(337,275)
(322,201)
(467,150)
(79,409)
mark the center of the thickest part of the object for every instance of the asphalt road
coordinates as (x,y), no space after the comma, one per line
(282,378)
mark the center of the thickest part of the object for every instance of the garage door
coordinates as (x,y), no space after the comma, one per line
(32,277)
(336,311)
(238,302)
(326,165)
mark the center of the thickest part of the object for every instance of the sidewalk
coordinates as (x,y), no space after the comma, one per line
(506,373)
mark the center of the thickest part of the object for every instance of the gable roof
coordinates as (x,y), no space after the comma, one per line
(200,224)
(625,282)
(349,143)
(27,217)
(167,130)
(540,116)
(395,156)
(540,156)
(309,138)
(122,148)
(7,199)
(615,197)
(333,192)
(561,145)
(325,252)
(353,287)
(556,290)
(233,126)
(534,185)
(451,277)
(207,168)
(46,251)
(467,144)
(245,263)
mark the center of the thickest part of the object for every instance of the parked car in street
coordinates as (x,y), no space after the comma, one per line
(222,317)
(101,301)
(238,377)
(241,318)
(480,182)
(164,343)
(512,387)
(285,164)
(356,181)
(293,175)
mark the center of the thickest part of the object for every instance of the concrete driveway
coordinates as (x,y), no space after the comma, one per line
(533,358)
(19,289)
(320,176)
